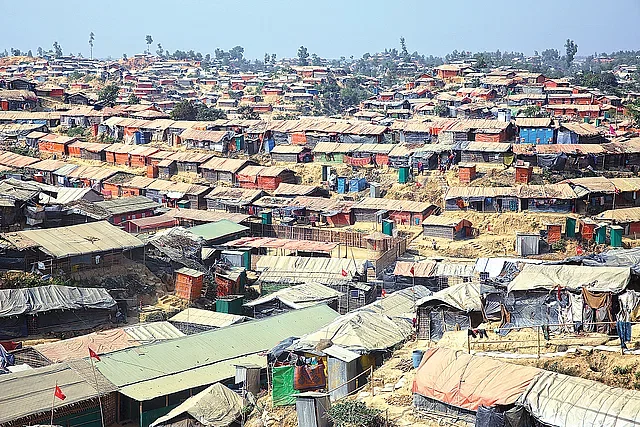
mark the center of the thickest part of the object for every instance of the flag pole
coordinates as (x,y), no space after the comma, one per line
(53,401)
(95,376)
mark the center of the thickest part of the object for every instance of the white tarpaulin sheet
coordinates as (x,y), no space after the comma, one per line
(215,406)
(463,296)
(563,401)
(52,297)
(572,277)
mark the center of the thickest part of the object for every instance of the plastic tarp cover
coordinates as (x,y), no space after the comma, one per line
(489,417)
(52,297)
(359,331)
(283,393)
(463,296)
(560,400)
(616,258)
(529,309)
(572,277)
(552,161)
(468,382)
(215,406)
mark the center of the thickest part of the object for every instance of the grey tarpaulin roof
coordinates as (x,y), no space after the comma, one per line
(573,277)
(216,406)
(359,331)
(400,303)
(80,239)
(561,400)
(463,296)
(52,297)
(29,392)
(616,258)
(299,296)
(198,316)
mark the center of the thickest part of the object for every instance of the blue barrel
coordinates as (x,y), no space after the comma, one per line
(416,357)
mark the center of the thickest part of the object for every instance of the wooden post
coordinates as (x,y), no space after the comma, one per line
(468,342)
(373,392)
(538,339)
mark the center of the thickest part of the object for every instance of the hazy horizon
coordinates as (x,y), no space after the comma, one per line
(331,29)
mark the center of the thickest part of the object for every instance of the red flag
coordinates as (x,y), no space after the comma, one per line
(384,293)
(412,271)
(344,272)
(59,394)
(93,355)
(612,131)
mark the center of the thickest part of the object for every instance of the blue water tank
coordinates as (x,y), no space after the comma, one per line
(343,185)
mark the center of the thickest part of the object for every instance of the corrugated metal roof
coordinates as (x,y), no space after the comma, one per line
(287,269)
(621,215)
(120,205)
(154,370)
(372,203)
(285,189)
(218,229)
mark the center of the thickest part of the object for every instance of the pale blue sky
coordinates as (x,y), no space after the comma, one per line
(330,28)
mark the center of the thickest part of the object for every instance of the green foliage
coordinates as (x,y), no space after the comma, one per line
(571,48)
(109,94)
(106,138)
(133,99)
(351,413)
(57,50)
(246,113)
(441,110)
(334,99)
(184,110)
(559,246)
(303,56)
(74,76)
(533,111)
(634,111)
(12,280)
(622,370)
(209,113)
(78,131)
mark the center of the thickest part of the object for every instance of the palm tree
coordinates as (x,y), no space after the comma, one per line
(92,37)
(149,40)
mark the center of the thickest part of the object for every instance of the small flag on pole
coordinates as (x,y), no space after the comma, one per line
(344,273)
(384,293)
(612,131)
(93,355)
(59,394)
(412,271)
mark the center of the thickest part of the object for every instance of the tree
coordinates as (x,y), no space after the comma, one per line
(246,113)
(266,58)
(160,50)
(441,110)
(109,94)
(124,56)
(549,55)
(184,110)
(15,52)
(315,59)
(403,48)
(148,39)
(133,99)
(29,54)
(303,56)
(273,58)
(57,50)
(634,111)
(92,37)
(571,48)
(205,113)
(40,51)
(236,53)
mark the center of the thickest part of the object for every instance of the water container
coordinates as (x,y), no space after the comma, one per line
(416,358)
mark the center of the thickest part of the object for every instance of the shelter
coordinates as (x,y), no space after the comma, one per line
(156,380)
(435,275)
(404,212)
(232,199)
(219,231)
(216,406)
(53,308)
(220,169)
(465,386)
(194,320)
(446,228)
(456,307)
(361,331)
(294,298)
(26,396)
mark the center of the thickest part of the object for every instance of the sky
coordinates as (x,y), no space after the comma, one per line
(329,28)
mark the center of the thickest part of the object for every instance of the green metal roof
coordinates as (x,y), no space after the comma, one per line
(155,370)
(217,230)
